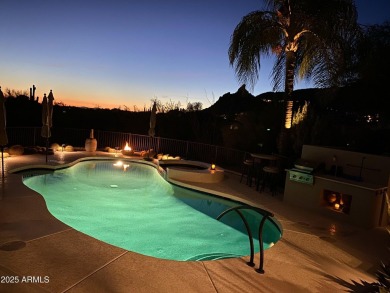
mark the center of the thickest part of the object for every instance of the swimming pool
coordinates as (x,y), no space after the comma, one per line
(131,206)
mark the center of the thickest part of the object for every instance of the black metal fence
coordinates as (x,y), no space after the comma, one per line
(225,157)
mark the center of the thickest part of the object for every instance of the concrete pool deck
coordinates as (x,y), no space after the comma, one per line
(41,254)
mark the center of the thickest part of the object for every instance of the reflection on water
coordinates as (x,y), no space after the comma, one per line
(60,157)
(5,170)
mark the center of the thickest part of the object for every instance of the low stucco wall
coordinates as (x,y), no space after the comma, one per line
(372,168)
(368,206)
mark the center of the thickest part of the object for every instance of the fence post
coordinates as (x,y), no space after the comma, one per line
(187,151)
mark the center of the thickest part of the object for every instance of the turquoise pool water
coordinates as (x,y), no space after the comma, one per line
(131,206)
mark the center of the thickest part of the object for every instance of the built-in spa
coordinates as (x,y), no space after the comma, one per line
(192,171)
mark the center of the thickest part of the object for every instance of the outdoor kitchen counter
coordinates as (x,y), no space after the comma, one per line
(358,202)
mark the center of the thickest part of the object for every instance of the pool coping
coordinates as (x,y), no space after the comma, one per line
(30,172)
(184,183)
(72,163)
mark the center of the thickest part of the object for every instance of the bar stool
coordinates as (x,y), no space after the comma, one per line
(273,173)
(247,171)
(270,178)
(258,172)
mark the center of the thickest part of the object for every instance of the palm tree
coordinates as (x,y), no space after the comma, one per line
(309,38)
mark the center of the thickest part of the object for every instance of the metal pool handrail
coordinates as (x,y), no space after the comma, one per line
(266,215)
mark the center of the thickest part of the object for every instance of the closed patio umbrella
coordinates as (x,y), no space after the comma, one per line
(152,123)
(45,131)
(50,98)
(3,132)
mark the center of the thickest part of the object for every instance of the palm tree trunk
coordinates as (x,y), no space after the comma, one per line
(289,87)
(284,144)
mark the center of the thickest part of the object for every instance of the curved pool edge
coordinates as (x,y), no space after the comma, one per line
(155,164)
(226,196)
(150,163)
(207,190)
(162,172)
(72,163)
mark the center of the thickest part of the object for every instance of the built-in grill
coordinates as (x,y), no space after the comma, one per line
(302,172)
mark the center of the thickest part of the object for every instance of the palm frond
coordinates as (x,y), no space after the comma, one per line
(322,34)
(256,35)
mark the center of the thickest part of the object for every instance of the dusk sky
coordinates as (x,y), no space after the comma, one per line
(116,53)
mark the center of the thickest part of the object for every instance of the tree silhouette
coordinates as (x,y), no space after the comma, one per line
(309,39)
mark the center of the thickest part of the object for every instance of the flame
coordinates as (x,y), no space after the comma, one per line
(127,148)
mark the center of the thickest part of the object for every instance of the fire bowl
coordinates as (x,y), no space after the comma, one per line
(127,153)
